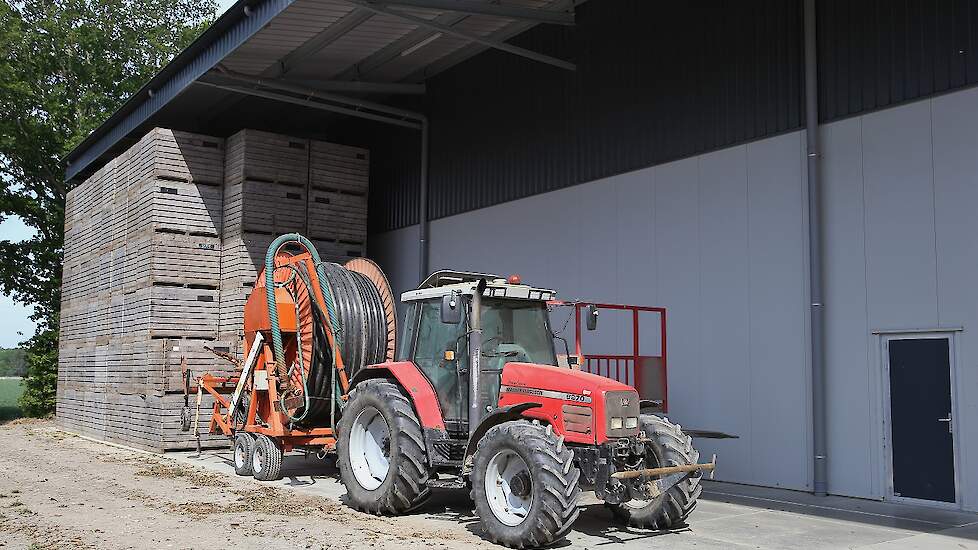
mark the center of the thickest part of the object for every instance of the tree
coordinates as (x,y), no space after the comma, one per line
(66,66)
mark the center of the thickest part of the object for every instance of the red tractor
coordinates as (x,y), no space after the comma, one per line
(473,398)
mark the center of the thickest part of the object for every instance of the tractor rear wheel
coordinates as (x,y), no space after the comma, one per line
(669,446)
(380,450)
(525,485)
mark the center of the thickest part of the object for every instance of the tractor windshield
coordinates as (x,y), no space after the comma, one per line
(515,330)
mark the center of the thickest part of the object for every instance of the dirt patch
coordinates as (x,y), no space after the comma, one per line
(62,491)
(170,470)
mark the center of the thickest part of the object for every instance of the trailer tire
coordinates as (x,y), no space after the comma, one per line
(243,453)
(266,461)
(403,486)
(669,446)
(546,496)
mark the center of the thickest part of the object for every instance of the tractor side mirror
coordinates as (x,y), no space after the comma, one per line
(592,317)
(572,360)
(451,309)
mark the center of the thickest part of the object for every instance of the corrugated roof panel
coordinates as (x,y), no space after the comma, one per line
(358,44)
(292,28)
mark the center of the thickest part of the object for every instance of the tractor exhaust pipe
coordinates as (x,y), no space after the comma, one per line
(475,355)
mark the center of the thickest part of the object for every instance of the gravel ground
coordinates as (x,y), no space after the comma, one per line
(62,491)
(59,491)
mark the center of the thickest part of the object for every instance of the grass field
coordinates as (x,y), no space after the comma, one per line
(10,390)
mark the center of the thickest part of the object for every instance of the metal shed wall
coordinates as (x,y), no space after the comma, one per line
(659,82)
(655,82)
(877,53)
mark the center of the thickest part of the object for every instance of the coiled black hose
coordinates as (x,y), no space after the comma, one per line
(361,334)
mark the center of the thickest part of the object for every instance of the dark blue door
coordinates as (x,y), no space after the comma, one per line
(920,417)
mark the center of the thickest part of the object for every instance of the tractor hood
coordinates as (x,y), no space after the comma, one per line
(547,377)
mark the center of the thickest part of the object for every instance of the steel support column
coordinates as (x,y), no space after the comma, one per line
(819,451)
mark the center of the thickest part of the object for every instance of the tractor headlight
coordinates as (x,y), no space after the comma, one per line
(631,422)
(616,422)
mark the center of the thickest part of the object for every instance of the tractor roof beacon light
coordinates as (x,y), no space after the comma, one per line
(514,279)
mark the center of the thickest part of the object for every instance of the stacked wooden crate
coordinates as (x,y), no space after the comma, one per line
(140,294)
(277,184)
(162,248)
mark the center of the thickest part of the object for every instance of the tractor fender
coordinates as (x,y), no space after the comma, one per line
(496,417)
(413,381)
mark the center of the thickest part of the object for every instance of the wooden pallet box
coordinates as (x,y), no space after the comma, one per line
(266,157)
(163,311)
(169,155)
(339,167)
(256,206)
(161,258)
(337,216)
(174,207)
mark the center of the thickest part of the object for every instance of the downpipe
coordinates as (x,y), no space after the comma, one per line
(819,450)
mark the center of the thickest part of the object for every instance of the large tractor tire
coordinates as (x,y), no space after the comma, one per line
(380,450)
(669,446)
(525,485)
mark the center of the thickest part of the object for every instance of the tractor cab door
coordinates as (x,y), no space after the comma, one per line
(444,370)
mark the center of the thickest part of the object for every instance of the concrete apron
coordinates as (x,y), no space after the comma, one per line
(727,516)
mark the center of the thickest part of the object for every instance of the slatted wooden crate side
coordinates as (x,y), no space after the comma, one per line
(176,156)
(337,216)
(155,258)
(255,206)
(339,167)
(164,360)
(172,311)
(175,207)
(233,301)
(263,156)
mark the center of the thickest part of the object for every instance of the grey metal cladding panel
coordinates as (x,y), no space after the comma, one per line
(876,53)
(662,81)
(647,90)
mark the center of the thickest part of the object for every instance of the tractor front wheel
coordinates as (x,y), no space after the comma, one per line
(525,485)
(668,446)
(380,450)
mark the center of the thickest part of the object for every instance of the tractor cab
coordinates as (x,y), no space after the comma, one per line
(437,336)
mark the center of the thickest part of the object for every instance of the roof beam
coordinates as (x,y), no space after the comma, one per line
(485,41)
(350,111)
(317,43)
(472,7)
(358,86)
(470,50)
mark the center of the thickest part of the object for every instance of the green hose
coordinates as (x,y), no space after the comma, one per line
(278,349)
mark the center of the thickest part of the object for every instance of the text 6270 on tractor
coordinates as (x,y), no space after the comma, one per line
(470,396)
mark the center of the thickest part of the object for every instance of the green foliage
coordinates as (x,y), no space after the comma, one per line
(67,65)
(41,382)
(12,362)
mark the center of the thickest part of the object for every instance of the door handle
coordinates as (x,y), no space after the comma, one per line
(948,420)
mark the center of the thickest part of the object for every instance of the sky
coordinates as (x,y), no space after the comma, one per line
(15,325)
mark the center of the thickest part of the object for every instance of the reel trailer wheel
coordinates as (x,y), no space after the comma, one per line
(266,462)
(244,450)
